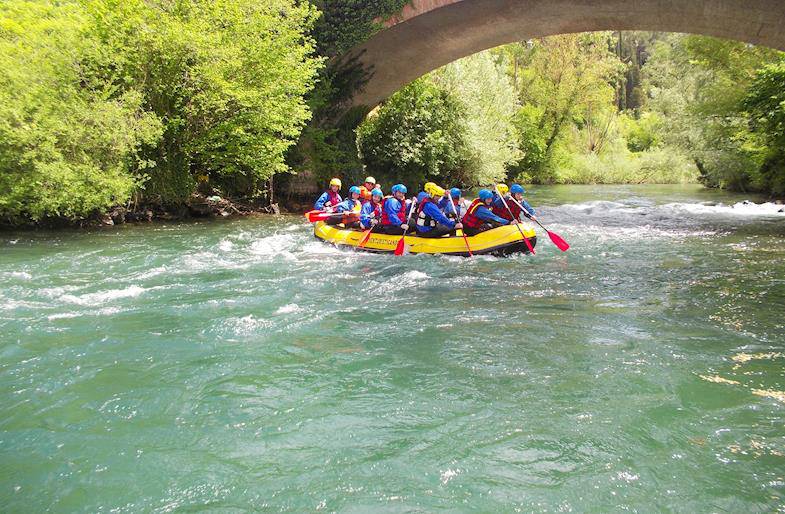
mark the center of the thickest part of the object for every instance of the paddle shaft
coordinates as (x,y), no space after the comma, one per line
(555,238)
(460,220)
(525,239)
(399,247)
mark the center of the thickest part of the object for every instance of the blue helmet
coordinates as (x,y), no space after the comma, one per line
(399,188)
(516,188)
(455,192)
(485,194)
(354,189)
(377,192)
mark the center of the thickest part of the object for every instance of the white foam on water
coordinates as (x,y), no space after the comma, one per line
(93,299)
(106,311)
(225,245)
(152,272)
(247,325)
(599,206)
(404,281)
(745,208)
(278,244)
(22,275)
(288,309)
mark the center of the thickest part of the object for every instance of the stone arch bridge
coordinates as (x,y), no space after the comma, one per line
(428,34)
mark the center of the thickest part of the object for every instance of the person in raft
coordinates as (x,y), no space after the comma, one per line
(329,198)
(447,207)
(516,193)
(348,211)
(371,210)
(394,213)
(366,188)
(479,217)
(430,220)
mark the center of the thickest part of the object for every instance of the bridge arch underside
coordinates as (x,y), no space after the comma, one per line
(431,33)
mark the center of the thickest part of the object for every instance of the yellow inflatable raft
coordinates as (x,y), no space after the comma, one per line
(498,241)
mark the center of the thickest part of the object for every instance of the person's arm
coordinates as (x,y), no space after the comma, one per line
(434,212)
(391,207)
(366,214)
(344,206)
(485,214)
(319,205)
(528,208)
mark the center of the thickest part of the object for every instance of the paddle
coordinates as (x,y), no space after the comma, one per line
(401,243)
(366,237)
(526,239)
(560,243)
(460,220)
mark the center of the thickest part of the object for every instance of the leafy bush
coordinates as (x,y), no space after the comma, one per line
(417,135)
(67,140)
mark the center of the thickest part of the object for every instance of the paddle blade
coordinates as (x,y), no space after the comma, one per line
(529,245)
(468,248)
(318,216)
(558,241)
(401,246)
(365,238)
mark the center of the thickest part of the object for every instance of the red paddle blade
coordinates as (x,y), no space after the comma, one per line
(559,242)
(309,214)
(529,245)
(318,216)
(468,248)
(401,246)
(365,239)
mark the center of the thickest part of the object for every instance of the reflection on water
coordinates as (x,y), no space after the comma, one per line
(244,365)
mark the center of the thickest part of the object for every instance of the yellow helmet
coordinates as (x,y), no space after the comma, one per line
(433,190)
(335,182)
(370,180)
(503,188)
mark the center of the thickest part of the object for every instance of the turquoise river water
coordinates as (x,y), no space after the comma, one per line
(243,365)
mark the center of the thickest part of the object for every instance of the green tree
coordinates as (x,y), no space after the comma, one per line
(766,105)
(697,85)
(566,81)
(228,78)
(67,137)
(419,134)
(491,104)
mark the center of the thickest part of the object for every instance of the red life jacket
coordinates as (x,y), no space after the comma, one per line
(503,213)
(334,198)
(401,213)
(423,219)
(470,219)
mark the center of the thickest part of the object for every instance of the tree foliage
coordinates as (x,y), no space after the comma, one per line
(698,85)
(419,134)
(453,126)
(101,98)
(67,138)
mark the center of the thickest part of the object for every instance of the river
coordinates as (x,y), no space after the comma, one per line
(243,365)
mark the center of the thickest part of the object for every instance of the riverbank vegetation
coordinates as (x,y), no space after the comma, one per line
(593,108)
(108,104)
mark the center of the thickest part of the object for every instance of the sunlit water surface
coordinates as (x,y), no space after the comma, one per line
(243,365)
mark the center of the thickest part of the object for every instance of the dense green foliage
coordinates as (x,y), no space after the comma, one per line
(452,126)
(68,139)
(700,86)
(102,98)
(418,135)
(602,108)
(346,23)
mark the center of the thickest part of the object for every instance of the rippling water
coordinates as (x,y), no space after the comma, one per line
(243,365)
